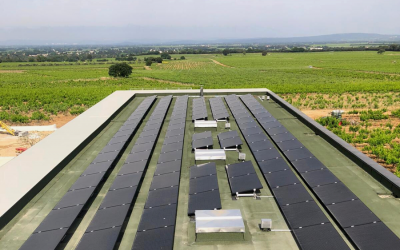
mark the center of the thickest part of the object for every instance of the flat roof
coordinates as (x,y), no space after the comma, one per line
(368,190)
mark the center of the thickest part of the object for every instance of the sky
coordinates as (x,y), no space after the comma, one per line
(174,20)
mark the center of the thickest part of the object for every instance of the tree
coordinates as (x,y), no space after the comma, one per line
(244,52)
(225,52)
(381,51)
(264,53)
(89,57)
(183,58)
(165,55)
(120,70)
(149,62)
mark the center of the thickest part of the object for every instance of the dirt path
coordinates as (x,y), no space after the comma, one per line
(378,73)
(12,71)
(147,68)
(165,81)
(223,65)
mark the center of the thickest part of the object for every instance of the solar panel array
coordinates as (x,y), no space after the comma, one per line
(157,225)
(242,177)
(218,109)
(310,227)
(360,224)
(56,224)
(202,140)
(203,188)
(199,109)
(229,139)
(113,211)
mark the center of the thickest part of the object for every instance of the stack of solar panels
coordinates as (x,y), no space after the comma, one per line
(203,188)
(218,109)
(199,109)
(229,139)
(56,224)
(310,227)
(157,225)
(242,177)
(106,226)
(361,225)
(202,140)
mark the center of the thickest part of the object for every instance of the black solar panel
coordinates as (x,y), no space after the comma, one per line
(244,120)
(170,156)
(308,164)
(162,197)
(176,126)
(271,124)
(231,142)
(247,125)
(100,240)
(59,218)
(110,156)
(373,236)
(298,154)
(319,237)
(119,197)
(202,135)
(175,132)
(251,131)
(97,168)
(229,134)
(165,180)
(304,214)
(245,183)
(204,201)
(108,218)
(87,181)
(173,139)
(203,143)
(157,217)
(76,197)
(265,155)
(352,213)
(128,180)
(291,194)
(168,167)
(118,140)
(334,193)
(146,139)
(149,133)
(276,130)
(256,138)
(161,238)
(142,147)
(320,177)
(239,169)
(129,168)
(260,145)
(45,240)
(266,119)
(281,178)
(270,166)
(289,145)
(152,127)
(283,137)
(113,147)
(203,170)
(203,184)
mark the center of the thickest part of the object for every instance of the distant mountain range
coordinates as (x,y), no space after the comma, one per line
(93,40)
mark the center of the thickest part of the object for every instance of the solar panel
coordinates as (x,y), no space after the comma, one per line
(308,164)
(129,168)
(271,124)
(168,167)
(319,237)
(298,154)
(251,131)
(76,197)
(231,142)
(149,133)
(203,143)
(87,181)
(304,214)
(291,194)
(130,127)
(260,145)
(229,134)
(266,119)
(239,169)
(203,170)
(157,217)
(265,155)
(202,135)
(108,218)
(334,193)
(203,184)
(170,156)
(162,197)
(245,183)
(44,240)
(281,178)
(138,156)
(175,132)
(352,213)
(155,126)
(142,147)
(320,177)
(165,180)
(113,147)
(127,180)
(176,126)
(277,130)
(110,156)
(247,125)
(172,147)
(100,240)
(256,138)
(97,168)
(119,197)
(289,145)
(59,218)
(273,165)
(283,137)
(373,236)
(204,201)
(161,238)
(118,140)
(243,120)
(173,139)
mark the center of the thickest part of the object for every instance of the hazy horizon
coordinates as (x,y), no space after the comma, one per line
(172,20)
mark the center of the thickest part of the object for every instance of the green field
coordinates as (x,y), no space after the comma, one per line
(52,88)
